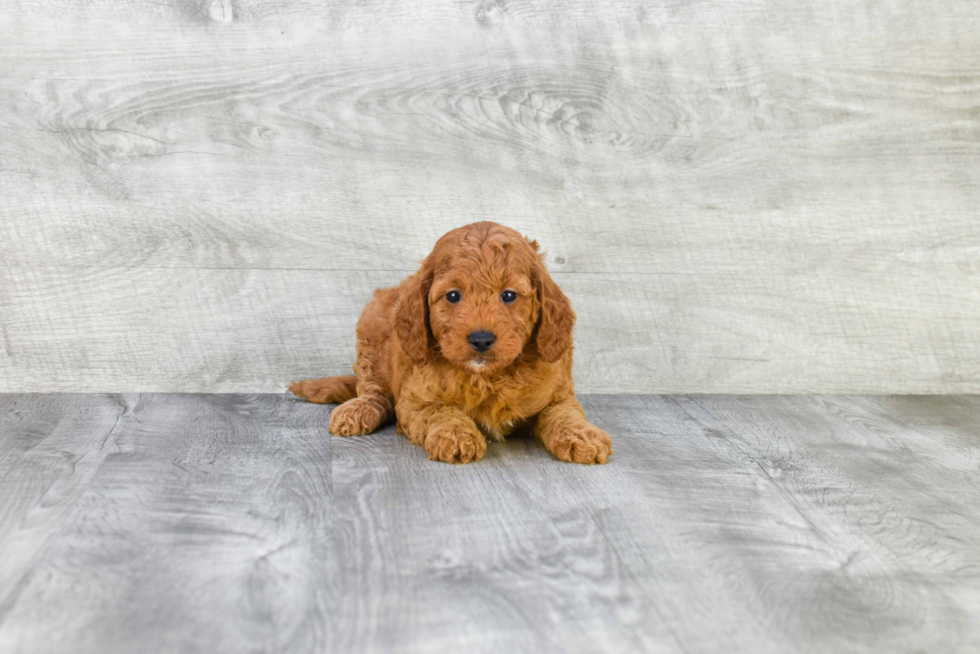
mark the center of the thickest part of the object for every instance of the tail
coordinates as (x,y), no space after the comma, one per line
(327,390)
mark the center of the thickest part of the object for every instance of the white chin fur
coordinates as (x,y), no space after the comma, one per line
(477,366)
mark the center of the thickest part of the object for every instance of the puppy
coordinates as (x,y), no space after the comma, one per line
(477,344)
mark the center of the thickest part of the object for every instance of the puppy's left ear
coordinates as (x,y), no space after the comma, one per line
(557,319)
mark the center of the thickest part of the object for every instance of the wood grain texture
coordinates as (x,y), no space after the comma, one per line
(755,524)
(205,329)
(50,450)
(740,196)
(722,523)
(190,523)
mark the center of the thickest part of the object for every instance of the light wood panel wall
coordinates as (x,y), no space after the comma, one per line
(738,196)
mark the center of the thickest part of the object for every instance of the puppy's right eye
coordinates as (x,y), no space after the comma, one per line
(453,297)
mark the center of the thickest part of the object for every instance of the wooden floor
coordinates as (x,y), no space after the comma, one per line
(220,523)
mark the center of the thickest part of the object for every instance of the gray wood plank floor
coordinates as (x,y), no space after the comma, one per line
(164,523)
(723,523)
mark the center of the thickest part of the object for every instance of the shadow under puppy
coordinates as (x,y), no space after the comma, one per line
(477,344)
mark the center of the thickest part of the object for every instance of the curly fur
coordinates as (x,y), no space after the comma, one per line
(414,361)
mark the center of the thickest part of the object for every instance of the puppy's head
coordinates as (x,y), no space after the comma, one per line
(482,299)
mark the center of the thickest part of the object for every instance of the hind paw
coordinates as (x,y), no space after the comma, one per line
(356,417)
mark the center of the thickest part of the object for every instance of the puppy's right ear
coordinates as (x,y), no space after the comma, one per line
(412,314)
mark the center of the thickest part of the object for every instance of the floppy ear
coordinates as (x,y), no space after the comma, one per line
(412,315)
(557,318)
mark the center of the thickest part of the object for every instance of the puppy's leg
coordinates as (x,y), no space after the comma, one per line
(372,407)
(447,434)
(364,405)
(361,415)
(566,433)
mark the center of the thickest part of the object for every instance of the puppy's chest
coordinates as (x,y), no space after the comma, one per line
(499,416)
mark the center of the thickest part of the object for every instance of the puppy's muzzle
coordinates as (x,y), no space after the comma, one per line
(481,341)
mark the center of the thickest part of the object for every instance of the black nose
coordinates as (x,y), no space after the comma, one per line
(481,341)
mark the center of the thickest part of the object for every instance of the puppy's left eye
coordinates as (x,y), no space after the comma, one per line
(508,296)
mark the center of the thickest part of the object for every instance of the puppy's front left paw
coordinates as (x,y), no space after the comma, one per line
(581,443)
(455,444)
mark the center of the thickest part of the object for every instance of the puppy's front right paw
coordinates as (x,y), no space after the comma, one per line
(455,444)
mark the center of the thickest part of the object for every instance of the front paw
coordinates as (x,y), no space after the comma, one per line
(581,443)
(455,444)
